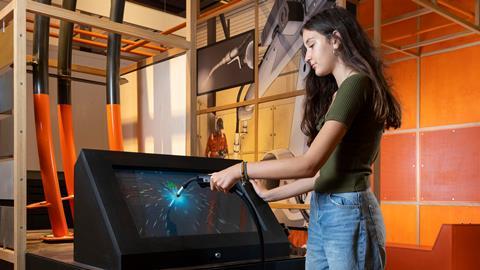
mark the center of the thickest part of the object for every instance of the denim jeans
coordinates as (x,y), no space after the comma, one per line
(346,232)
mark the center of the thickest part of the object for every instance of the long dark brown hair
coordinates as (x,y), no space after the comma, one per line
(358,53)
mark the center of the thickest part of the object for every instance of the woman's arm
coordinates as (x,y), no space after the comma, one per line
(283,192)
(302,166)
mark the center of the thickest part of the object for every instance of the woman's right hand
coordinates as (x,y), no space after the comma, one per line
(260,189)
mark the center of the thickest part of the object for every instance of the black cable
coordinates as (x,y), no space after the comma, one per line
(204,181)
(257,224)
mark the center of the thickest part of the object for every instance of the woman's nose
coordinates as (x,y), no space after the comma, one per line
(307,57)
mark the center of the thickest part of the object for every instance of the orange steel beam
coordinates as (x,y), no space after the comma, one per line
(98,44)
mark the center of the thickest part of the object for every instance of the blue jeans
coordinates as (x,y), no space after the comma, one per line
(346,232)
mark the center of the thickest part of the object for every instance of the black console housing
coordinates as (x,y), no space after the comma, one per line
(114,215)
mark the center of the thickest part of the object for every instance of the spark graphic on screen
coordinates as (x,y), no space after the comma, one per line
(158,212)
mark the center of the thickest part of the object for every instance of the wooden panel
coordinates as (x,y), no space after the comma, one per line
(404,80)
(6,53)
(432,218)
(397,167)
(265,129)
(248,140)
(400,223)
(449,88)
(282,125)
(450,162)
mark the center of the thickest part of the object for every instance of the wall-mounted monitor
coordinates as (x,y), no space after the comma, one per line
(226,64)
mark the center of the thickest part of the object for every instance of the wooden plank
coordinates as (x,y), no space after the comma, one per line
(232,5)
(53,63)
(7,255)
(253,101)
(391,47)
(6,10)
(19,129)
(191,111)
(171,53)
(107,25)
(448,15)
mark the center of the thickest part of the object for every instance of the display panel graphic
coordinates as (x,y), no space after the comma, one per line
(225,64)
(151,199)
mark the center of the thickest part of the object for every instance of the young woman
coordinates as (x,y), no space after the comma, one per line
(347,107)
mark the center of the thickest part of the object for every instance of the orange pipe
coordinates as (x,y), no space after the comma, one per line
(48,168)
(174,29)
(114,123)
(67,146)
(136,45)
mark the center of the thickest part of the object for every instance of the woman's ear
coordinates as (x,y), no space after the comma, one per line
(336,40)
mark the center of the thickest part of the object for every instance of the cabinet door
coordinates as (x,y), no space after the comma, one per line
(282,125)
(248,139)
(265,129)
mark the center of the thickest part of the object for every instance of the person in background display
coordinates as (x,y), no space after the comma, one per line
(217,146)
(348,105)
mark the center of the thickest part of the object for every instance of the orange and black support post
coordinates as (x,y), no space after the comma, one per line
(115,138)
(64,107)
(48,168)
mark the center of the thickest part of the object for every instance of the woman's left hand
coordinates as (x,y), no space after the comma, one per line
(224,180)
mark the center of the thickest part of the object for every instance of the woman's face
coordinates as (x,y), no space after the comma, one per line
(319,52)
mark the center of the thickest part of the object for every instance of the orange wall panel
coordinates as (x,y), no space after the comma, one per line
(390,9)
(404,82)
(400,223)
(432,218)
(450,162)
(450,89)
(397,167)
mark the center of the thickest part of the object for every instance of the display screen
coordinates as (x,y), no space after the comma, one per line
(157,212)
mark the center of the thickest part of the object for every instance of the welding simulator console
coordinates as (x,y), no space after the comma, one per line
(128,216)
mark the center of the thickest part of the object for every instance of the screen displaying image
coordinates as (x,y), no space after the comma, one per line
(225,64)
(157,212)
